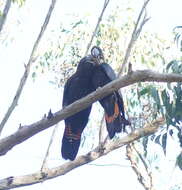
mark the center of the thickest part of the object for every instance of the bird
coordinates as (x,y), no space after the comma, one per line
(76,87)
(113,103)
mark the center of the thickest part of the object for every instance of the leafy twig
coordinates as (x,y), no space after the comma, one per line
(27,68)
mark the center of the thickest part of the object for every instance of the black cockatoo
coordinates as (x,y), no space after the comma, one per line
(113,104)
(76,87)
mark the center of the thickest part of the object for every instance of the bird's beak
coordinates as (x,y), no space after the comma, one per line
(97,61)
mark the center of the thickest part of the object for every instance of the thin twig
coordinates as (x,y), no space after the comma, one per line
(134,165)
(145,166)
(5,13)
(106,2)
(135,34)
(27,68)
(48,148)
(101,128)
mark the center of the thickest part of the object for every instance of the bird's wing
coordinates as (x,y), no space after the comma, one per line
(109,71)
(112,76)
(65,93)
(113,103)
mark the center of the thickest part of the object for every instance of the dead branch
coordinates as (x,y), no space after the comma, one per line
(19,181)
(27,68)
(28,131)
(5,13)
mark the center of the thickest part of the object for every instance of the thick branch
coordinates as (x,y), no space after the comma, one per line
(27,68)
(13,182)
(28,131)
(5,13)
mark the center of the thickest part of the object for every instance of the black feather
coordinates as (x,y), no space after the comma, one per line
(113,103)
(76,87)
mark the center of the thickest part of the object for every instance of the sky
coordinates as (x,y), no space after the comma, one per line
(39,96)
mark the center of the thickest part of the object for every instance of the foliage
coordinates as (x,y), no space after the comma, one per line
(178,35)
(145,101)
(69,42)
(179,161)
(165,100)
(19,2)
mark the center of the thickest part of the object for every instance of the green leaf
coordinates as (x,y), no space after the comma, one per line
(152,137)
(74,25)
(155,95)
(157,139)
(179,161)
(19,2)
(164,142)
(98,42)
(33,75)
(171,132)
(145,144)
(180,136)
(165,97)
(144,91)
(142,59)
(169,65)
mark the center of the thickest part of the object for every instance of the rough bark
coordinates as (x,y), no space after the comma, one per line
(28,131)
(40,176)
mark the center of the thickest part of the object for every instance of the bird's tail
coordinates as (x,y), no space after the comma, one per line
(70,143)
(115,123)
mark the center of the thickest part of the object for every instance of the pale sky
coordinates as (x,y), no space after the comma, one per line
(39,96)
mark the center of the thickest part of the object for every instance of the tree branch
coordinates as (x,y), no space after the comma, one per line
(106,2)
(48,148)
(5,13)
(19,181)
(28,131)
(144,176)
(27,68)
(135,34)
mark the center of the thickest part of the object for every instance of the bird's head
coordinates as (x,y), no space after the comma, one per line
(97,54)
